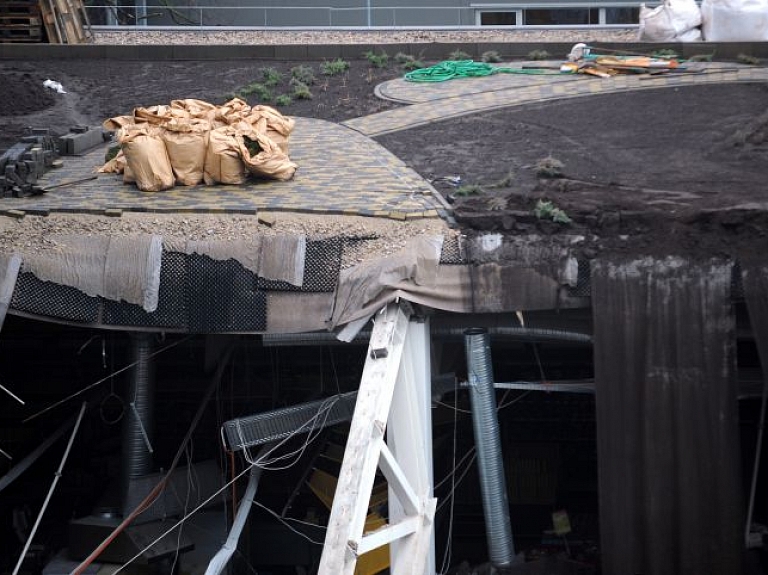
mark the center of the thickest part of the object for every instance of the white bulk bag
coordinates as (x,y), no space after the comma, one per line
(735,20)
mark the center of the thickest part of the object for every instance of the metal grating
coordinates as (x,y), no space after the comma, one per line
(583,284)
(171,308)
(223,296)
(321,268)
(453,252)
(35,296)
(258,429)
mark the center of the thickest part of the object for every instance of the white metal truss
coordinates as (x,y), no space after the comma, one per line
(391,378)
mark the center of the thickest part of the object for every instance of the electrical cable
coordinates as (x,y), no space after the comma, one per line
(284,522)
(449,538)
(103,379)
(451,69)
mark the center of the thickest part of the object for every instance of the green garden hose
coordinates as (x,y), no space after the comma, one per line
(450,69)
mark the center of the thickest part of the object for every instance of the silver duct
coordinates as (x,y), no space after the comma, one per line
(515,333)
(138,421)
(490,463)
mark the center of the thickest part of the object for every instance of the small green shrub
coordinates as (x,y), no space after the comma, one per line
(253,146)
(379,60)
(491,56)
(301,91)
(748,59)
(283,100)
(257,89)
(468,190)
(701,57)
(665,53)
(271,76)
(539,55)
(459,55)
(303,74)
(506,181)
(549,167)
(545,210)
(408,62)
(334,67)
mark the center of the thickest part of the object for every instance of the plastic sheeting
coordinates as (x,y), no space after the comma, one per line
(667,418)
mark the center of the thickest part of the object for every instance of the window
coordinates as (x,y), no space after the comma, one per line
(562,16)
(498,18)
(622,15)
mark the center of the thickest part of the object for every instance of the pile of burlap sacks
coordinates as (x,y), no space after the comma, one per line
(191,141)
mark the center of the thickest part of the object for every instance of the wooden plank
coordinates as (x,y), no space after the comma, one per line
(50,22)
(361,457)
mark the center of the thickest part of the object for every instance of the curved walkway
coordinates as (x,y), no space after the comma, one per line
(460,97)
(342,170)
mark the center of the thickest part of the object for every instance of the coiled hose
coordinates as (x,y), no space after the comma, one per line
(450,69)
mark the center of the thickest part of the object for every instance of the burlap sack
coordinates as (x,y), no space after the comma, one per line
(223,164)
(274,119)
(114,166)
(158,115)
(187,143)
(232,112)
(147,158)
(128,177)
(270,162)
(114,124)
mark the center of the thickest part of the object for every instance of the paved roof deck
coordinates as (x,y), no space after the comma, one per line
(432,102)
(340,172)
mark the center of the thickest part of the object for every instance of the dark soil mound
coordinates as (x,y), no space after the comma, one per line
(23,93)
(655,166)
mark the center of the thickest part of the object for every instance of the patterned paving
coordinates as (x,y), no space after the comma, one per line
(434,102)
(340,172)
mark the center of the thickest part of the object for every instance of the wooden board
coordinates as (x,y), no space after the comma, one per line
(65,21)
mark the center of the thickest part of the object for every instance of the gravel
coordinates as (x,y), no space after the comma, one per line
(270,37)
(36,234)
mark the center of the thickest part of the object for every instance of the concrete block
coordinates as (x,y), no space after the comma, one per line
(80,139)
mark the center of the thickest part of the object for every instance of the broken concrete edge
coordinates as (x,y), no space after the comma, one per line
(319,52)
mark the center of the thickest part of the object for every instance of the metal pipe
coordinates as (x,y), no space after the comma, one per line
(364,336)
(490,463)
(138,422)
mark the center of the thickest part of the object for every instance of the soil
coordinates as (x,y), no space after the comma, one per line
(679,170)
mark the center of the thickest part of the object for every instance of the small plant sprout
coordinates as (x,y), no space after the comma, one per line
(283,100)
(303,74)
(748,59)
(271,76)
(506,181)
(701,57)
(539,55)
(546,210)
(491,56)
(459,55)
(257,89)
(468,190)
(549,167)
(334,67)
(408,62)
(379,60)
(301,91)
(665,53)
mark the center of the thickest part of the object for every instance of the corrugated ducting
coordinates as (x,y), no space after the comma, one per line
(490,463)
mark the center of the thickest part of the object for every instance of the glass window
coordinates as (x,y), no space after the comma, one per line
(562,16)
(498,18)
(622,15)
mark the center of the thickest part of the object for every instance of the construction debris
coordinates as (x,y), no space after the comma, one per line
(583,59)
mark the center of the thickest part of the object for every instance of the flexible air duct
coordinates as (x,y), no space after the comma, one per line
(138,421)
(493,486)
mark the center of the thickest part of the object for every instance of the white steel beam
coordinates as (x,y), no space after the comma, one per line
(409,437)
(384,373)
